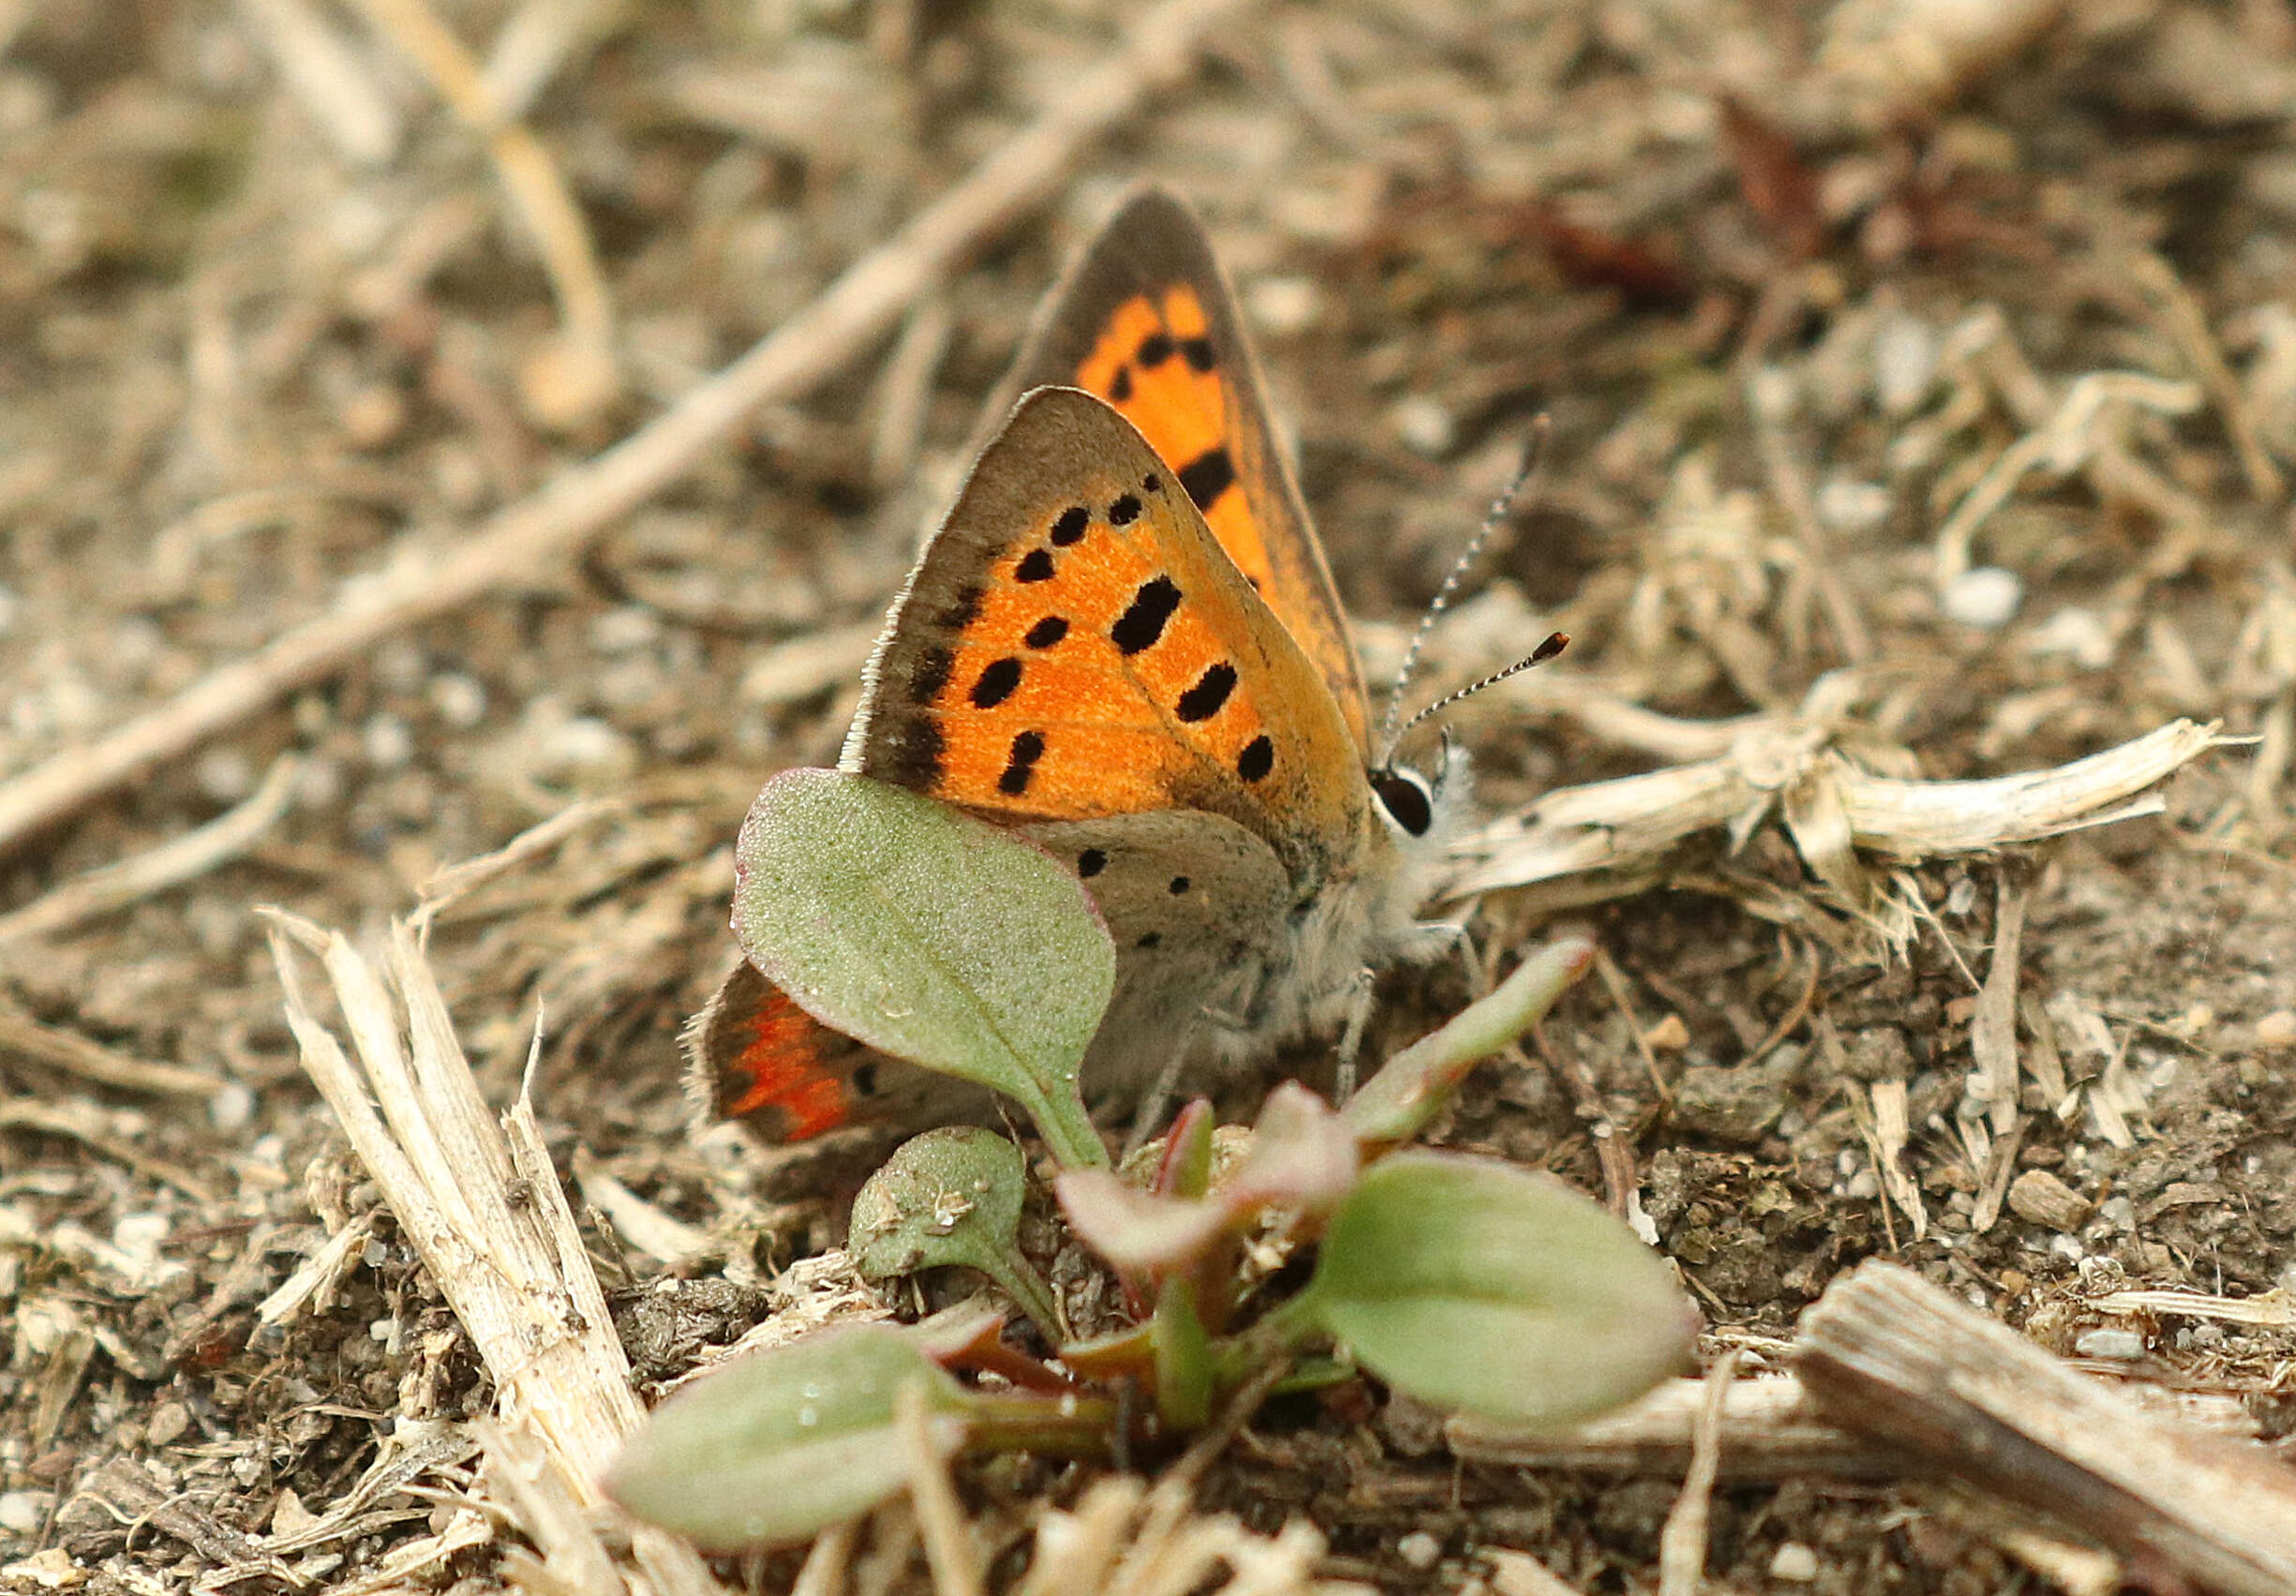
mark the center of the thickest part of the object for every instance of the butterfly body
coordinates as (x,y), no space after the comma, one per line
(1123,643)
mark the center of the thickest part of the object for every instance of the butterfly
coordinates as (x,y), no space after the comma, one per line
(1124,642)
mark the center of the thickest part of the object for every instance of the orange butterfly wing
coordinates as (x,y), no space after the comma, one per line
(1146,321)
(1073,643)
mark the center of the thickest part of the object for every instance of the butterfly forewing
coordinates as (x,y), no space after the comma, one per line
(1147,321)
(1074,642)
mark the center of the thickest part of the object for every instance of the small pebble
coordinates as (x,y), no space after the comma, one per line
(1851,507)
(585,743)
(2077,633)
(22,1512)
(1281,306)
(2118,1346)
(1985,597)
(620,631)
(1905,351)
(389,743)
(2039,1197)
(319,784)
(460,700)
(373,416)
(226,775)
(233,1107)
(1419,1550)
(1425,426)
(134,645)
(2277,1030)
(1794,1563)
(169,1423)
(1669,1035)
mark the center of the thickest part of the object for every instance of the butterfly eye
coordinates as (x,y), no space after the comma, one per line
(1406,797)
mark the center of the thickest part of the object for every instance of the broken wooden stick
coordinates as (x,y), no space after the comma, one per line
(1771,1428)
(1894,1358)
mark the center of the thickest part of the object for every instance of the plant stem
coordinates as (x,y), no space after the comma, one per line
(1067,1129)
(1397,1103)
(1026,1288)
(1063,1426)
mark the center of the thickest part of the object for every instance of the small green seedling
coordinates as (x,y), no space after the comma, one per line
(951,1196)
(1464,1281)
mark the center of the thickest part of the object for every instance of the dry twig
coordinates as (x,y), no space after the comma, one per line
(1682,1543)
(1772,1428)
(569,384)
(123,882)
(1896,1358)
(483,1206)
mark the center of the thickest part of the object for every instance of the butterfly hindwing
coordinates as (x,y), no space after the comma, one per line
(753,1055)
(1073,643)
(1146,321)
(1196,905)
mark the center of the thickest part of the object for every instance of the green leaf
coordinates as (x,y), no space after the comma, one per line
(1185,1168)
(1398,1102)
(1475,1285)
(951,1196)
(929,935)
(784,1443)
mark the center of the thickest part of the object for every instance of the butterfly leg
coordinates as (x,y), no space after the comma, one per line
(1431,940)
(1150,1113)
(1359,995)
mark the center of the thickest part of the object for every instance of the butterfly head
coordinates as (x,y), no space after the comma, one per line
(1415,803)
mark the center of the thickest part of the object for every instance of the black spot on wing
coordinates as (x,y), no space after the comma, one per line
(1203,700)
(1046,633)
(1143,619)
(1179,884)
(1068,525)
(1091,862)
(929,675)
(1020,763)
(910,755)
(996,683)
(1119,385)
(1200,353)
(1149,939)
(1207,476)
(1123,510)
(963,609)
(1035,566)
(1256,760)
(1155,350)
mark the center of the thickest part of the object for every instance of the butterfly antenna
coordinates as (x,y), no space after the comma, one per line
(1556,643)
(1391,726)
